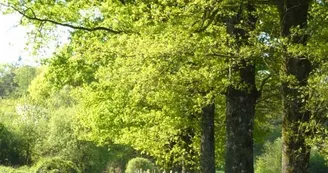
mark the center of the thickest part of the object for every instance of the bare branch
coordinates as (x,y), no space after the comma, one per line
(42,20)
(265,2)
(221,55)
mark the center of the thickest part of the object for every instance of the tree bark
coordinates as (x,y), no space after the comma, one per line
(241,99)
(207,157)
(296,153)
(239,124)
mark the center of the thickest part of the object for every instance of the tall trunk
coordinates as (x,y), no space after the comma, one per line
(239,124)
(241,99)
(296,153)
(207,158)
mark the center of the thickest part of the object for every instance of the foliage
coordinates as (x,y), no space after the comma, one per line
(58,138)
(139,163)
(55,165)
(270,160)
(44,128)
(23,77)
(14,80)
(119,156)
(12,148)
(166,104)
(179,65)
(15,170)
(40,89)
(138,73)
(7,84)
(317,163)
(144,85)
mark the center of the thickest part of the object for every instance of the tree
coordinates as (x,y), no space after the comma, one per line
(242,94)
(296,153)
(155,93)
(23,77)
(15,80)
(7,84)
(135,26)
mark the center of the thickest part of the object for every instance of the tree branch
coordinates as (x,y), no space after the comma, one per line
(210,21)
(265,2)
(221,55)
(35,18)
(264,81)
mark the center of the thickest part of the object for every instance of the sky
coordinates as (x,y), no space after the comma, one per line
(13,39)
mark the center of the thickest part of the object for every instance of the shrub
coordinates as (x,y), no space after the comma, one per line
(11,148)
(270,160)
(137,164)
(55,165)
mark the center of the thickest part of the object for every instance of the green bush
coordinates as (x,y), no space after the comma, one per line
(55,165)
(317,163)
(137,164)
(270,160)
(11,148)
(61,141)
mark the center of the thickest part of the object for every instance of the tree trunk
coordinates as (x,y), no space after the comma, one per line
(241,99)
(296,153)
(239,124)
(207,157)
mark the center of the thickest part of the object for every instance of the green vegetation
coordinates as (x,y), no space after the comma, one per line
(270,160)
(36,133)
(15,170)
(194,86)
(55,165)
(137,164)
(12,148)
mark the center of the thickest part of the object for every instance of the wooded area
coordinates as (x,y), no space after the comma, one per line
(184,85)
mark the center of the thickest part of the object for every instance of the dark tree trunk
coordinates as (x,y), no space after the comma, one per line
(241,98)
(207,157)
(239,124)
(296,153)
